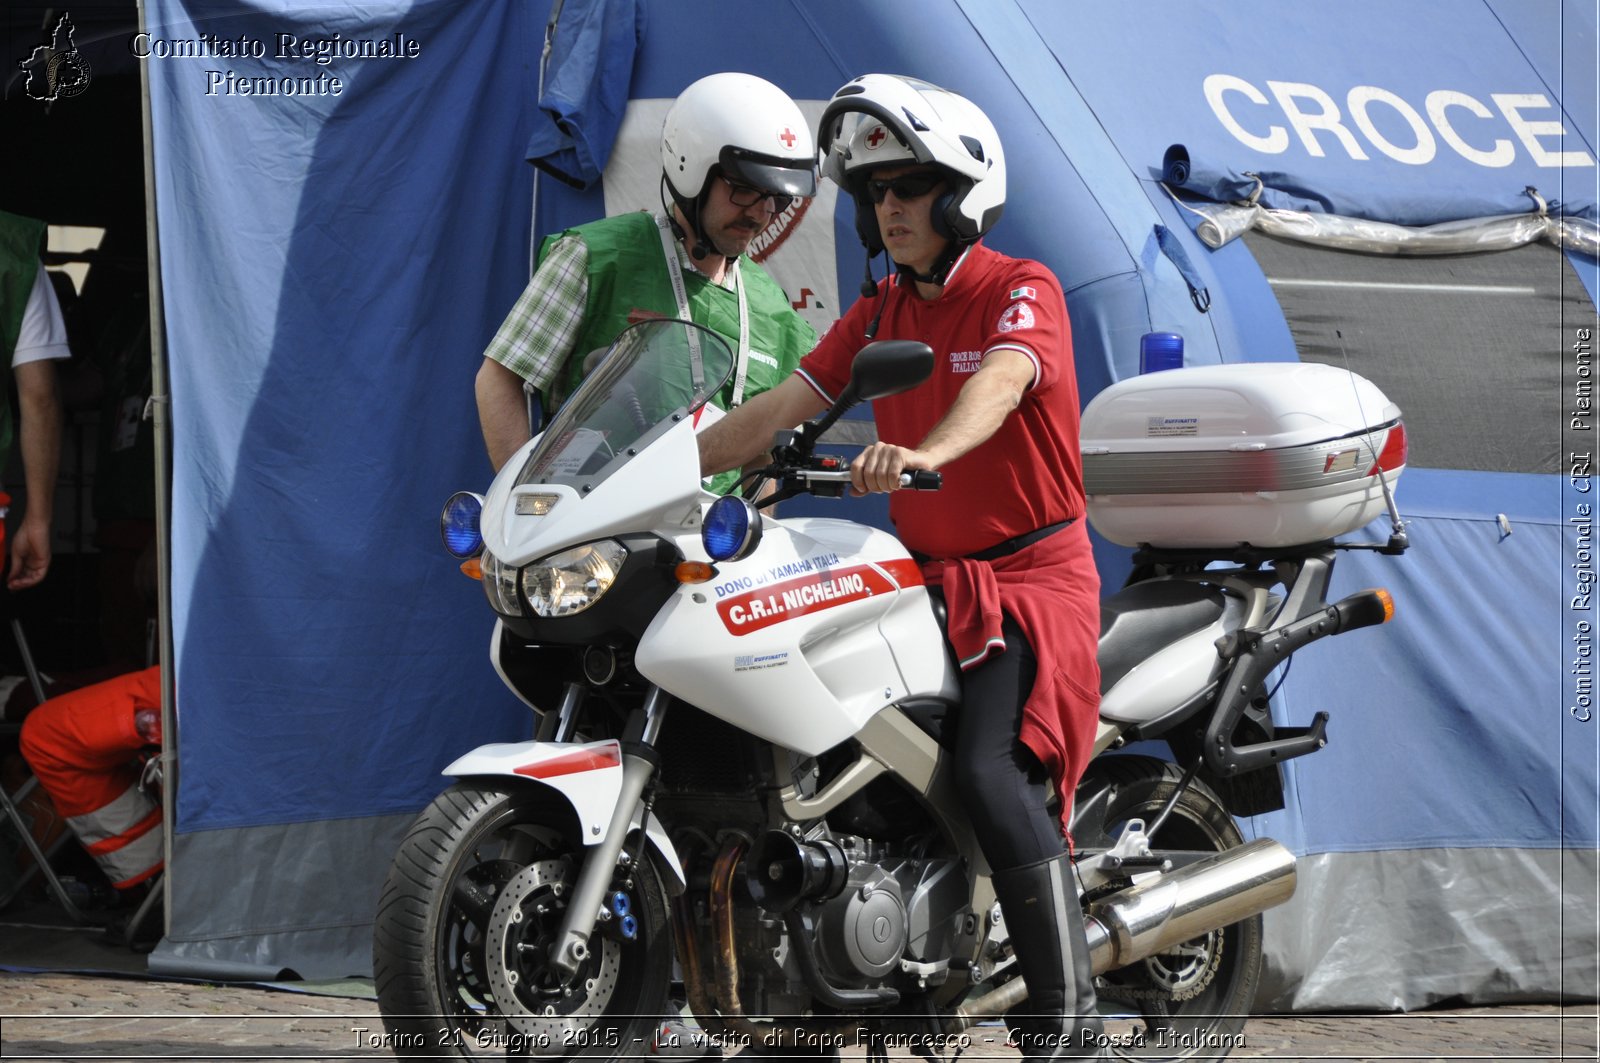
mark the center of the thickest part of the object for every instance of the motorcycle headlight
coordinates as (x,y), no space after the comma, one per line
(500,584)
(573,580)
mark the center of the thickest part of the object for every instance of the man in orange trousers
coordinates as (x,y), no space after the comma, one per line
(83,746)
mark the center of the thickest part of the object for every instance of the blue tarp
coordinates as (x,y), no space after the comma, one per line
(334,265)
(331,278)
(586,91)
(1447,724)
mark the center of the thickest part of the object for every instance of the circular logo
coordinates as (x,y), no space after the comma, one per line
(69,74)
(1017,316)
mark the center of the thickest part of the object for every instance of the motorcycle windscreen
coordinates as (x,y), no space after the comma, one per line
(654,375)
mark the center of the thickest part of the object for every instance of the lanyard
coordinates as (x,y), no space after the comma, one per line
(697,371)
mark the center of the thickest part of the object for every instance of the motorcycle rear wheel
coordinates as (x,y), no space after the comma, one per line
(472,901)
(1191,1002)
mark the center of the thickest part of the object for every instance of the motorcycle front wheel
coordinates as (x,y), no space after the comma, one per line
(473,900)
(1192,1001)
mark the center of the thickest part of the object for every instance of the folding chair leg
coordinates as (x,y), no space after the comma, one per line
(147,908)
(27,661)
(41,860)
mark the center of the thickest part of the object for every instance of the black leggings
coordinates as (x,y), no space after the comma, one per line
(1004,786)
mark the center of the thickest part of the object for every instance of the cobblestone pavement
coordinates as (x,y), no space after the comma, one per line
(64,1016)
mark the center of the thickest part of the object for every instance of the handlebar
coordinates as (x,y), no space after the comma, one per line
(916,480)
(797,470)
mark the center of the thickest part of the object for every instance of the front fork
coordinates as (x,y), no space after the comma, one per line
(571,946)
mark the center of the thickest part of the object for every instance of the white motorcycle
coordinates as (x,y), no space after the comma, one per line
(740,778)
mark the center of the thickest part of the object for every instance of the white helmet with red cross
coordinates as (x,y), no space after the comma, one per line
(746,127)
(880,120)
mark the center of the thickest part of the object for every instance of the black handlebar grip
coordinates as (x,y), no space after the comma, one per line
(922,480)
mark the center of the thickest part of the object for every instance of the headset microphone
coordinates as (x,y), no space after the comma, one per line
(867,289)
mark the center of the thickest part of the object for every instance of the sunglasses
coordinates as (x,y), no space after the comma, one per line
(748,196)
(906,186)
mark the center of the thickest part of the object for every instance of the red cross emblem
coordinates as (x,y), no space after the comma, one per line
(787,136)
(1016,316)
(876,137)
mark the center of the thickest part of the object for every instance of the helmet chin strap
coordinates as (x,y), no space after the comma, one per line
(702,247)
(940,270)
(935,276)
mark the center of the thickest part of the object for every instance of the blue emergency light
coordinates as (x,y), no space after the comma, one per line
(460,525)
(732,529)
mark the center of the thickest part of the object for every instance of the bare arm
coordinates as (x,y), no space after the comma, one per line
(502,411)
(748,431)
(39,404)
(982,406)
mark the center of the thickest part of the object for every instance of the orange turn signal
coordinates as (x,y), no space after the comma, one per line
(1388,604)
(470,567)
(695,572)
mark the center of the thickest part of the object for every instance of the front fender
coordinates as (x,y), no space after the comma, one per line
(587,774)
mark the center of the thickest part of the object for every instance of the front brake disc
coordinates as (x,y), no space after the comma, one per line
(524,922)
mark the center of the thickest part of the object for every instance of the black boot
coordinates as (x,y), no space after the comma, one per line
(1046,930)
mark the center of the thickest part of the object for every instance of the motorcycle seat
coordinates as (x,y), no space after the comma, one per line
(1140,619)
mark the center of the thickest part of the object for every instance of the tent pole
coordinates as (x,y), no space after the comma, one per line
(544,65)
(159,410)
(530,398)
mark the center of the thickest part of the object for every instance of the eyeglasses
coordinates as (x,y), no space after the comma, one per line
(748,196)
(906,186)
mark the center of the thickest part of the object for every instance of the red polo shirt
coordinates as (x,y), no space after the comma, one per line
(1029,473)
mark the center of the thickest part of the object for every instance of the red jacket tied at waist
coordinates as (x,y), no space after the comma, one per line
(1052,590)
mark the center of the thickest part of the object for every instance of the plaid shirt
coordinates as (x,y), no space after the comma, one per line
(536,339)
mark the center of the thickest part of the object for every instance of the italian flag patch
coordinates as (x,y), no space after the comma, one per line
(1023,293)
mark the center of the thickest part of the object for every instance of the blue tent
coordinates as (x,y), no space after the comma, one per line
(333,264)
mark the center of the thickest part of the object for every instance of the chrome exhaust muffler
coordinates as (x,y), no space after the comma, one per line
(1157,914)
(1223,889)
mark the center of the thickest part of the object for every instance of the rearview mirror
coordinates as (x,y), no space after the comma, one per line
(888,367)
(880,369)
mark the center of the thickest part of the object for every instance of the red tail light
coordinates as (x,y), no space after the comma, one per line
(1394,451)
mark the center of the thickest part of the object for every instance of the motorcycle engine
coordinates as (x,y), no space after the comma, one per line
(880,916)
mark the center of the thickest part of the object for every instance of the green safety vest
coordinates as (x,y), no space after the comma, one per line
(20,241)
(628,272)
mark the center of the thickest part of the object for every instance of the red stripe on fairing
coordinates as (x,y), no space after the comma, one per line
(797,597)
(905,572)
(572,763)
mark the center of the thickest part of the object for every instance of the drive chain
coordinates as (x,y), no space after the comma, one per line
(1135,994)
